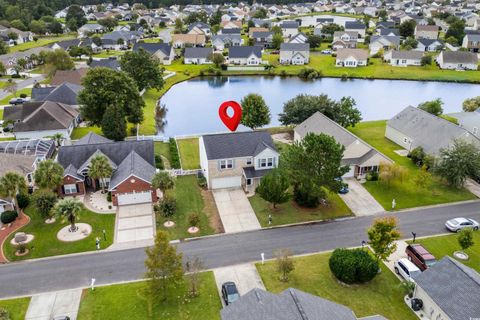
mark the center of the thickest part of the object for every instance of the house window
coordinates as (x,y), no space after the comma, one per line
(70,188)
(249,181)
(266,163)
(249,161)
(226,164)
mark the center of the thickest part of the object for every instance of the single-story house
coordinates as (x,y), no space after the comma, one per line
(469,121)
(426,32)
(263,38)
(222,41)
(90,28)
(298,38)
(198,55)
(344,40)
(65,93)
(245,55)
(289,304)
(413,127)
(132,162)
(65,44)
(351,58)
(254,29)
(239,159)
(9,60)
(111,63)
(162,51)
(389,32)
(199,26)
(22,36)
(457,60)
(70,76)
(359,155)
(357,27)
(471,42)
(231,24)
(289,28)
(449,290)
(430,45)
(403,58)
(182,40)
(118,40)
(294,53)
(36,120)
(383,42)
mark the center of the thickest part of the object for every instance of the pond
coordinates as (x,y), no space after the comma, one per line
(192,106)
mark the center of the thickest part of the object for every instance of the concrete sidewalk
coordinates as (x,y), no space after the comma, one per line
(48,305)
(359,200)
(235,210)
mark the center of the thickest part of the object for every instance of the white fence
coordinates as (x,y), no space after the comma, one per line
(181,172)
(233,68)
(154,138)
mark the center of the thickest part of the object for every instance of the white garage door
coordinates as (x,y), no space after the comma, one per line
(350,173)
(230,182)
(135,197)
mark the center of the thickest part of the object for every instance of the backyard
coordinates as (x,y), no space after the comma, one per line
(407,194)
(162,149)
(17,308)
(39,43)
(46,244)
(79,132)
(312,274)
(126,301)
(189,153)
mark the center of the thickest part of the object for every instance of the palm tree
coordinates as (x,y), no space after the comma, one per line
(68,209)
(163,181)
(48,175)
(58,138)
(101,169)
(12,184)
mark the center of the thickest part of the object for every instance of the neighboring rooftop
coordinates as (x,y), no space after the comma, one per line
(70,76)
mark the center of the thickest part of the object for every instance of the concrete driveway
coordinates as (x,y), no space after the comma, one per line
(235,210)
(245,277)
(398,254)
(48,305)
(359,200)
(135,223)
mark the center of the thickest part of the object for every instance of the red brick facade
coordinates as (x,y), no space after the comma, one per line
(133,184)
(70,180)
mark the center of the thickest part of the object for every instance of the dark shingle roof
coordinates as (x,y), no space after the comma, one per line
(244,51)
(198,52)
(153,47)
(106,63)
(250,172)
(92,138)
(287,46)
(65,93)
(459,57)
(289,24)
(133,164)
(231,31)
(354,25)
(238,144)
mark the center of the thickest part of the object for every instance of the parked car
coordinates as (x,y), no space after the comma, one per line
(344,189)
(229,292)
(406,269)
(16,101)
(420,256)
(327,51)
(61,318)
(457,224)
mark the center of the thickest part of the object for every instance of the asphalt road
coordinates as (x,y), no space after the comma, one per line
(30,277)
(23,84)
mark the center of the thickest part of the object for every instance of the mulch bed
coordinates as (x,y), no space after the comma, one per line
(21,221)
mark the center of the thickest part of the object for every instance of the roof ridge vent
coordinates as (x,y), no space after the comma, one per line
(298,304)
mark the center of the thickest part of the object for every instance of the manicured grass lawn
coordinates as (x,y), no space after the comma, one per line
(127,301)
(107,54)
(189,200)
(17,308)
(79,132)
(290,212)
(382,295)
(446,245)
(27,91)
(406,194)
(46,243)
(189,153)
(7,139)
(163,149)
(39,43)
(3,84)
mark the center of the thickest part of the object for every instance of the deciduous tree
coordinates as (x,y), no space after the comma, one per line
(75,17)
(407,28)
(434,107)
(255,112)
(284,263)
(193,267)
(469,105)
(465,238)
(273,187)
(142,67)
(382,236)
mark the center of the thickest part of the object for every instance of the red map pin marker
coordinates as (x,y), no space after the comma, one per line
(233,121)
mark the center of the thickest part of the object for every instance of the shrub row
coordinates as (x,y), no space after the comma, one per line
(174,154)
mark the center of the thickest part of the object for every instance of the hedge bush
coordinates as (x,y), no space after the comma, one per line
(168,206)
(159,162)
(353,266)
(23,200)
(175,163)
(4,314)
(8,216)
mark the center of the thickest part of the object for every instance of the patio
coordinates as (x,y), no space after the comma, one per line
(97,202)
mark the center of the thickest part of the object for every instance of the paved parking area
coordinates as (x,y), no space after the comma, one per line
(135,223)
(235,210)
(245,277)
(398,254)
(48,305)
(359,200)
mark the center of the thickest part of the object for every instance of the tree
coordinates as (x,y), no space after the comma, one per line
(3,70)
(353,265)
(217,59)
(12,184)
(329,29)
(75,17)
(390,172)
(300,108)
(409,43)
(465,238)
(167,207)
(68,209)
(17,24)
(12,87)
(178,26)
(216,18)
(312,165)
(164,267)
(284,263)
(55,27)
(38,27)
(423,178)
(426,60)
(407,28)
(382,236)
(255,112)
(77,52)
(274,187)
(197,16)
(469,105)
(456,30)
(3,47)
(458,162)
(163,181)
(58,59)
(100,168)
(44,201)
(193,267)
(49,175)
(108,98)
(109,23)
(314,41)
(260,13)
(277,40)
(143,68)
(434,107)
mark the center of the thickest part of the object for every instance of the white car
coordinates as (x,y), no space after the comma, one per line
(327,51)
(458,224)
(406,269)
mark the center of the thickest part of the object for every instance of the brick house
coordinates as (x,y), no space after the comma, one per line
(132,162)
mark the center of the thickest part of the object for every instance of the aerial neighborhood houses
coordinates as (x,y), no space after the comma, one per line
(351,58)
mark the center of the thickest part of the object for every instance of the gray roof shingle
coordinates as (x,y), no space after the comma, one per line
(153,47)
(133,164)
(92,138)
(198,52)
(66,93)
(287,46)
(244,51)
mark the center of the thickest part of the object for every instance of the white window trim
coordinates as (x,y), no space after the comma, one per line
(70,188)
(226,164)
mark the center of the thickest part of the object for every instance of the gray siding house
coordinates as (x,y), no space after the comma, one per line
(469,121)
(294,53)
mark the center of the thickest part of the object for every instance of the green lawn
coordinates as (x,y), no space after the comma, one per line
(189,200)
(163,149)
(382,295)
(446,245)
(27,91)
(290,212)
(79,132)
(126,301)
(17,308)
(189,153)
(39,43)
(107,54)
(406,194)
(46,243)
(3,84)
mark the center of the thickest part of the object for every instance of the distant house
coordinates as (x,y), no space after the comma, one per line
(263,38)
(9,60)
(471,42)
(294,53)
(118,40)
(111,63)
(384,25)
(344,40)
(378,43)
(289,304)
(66,44)
(413,127)
(70,76)
(198,55)
(182,40)
(65,93)
(469,121)
(357,27)
(403,58)
(22,36)
(359,156)
(90,28)
(245,55)
(240,159)
(389,32)
(351,58)
(254,29)
(298,38)
(289,28)
(449,290)
(230,31)
(429,45)
(199,26)
(222,41)
(426,32)
(457,60)
(36,120)
(231,24)
(162,51)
